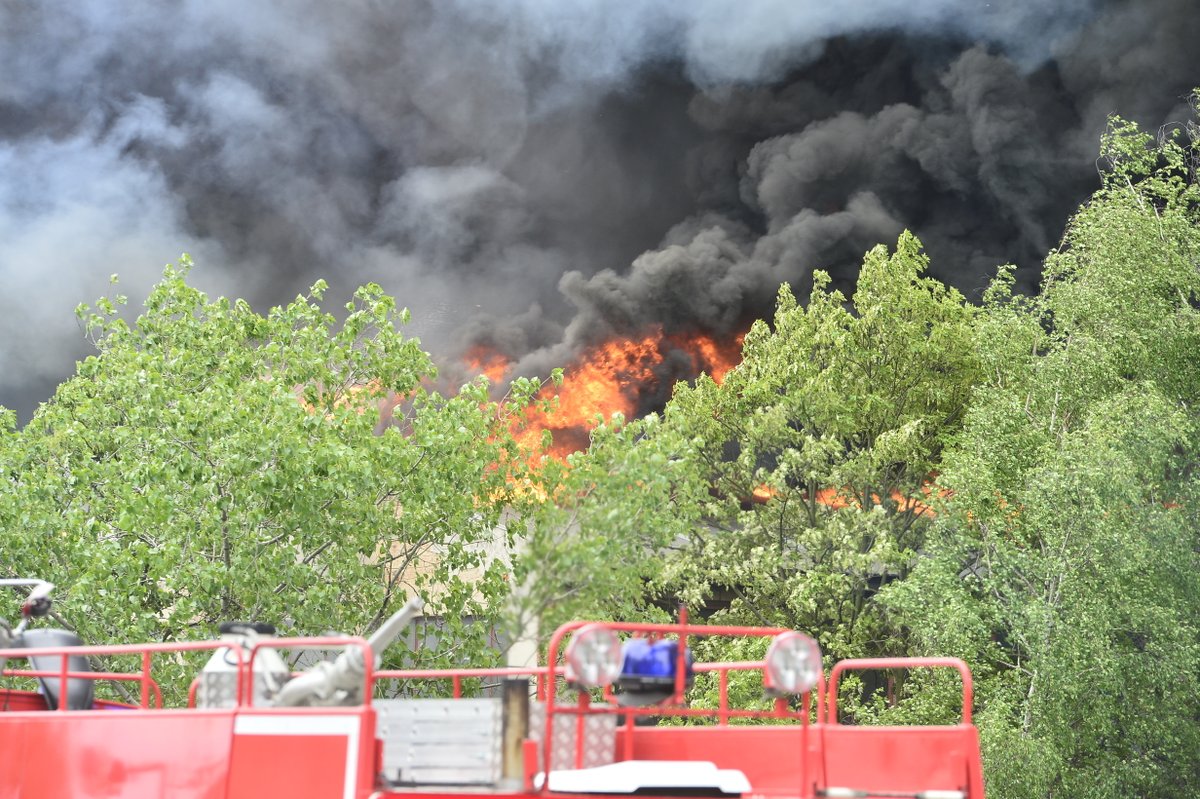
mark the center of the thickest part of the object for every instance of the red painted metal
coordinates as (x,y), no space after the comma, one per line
(863,664)
(769,756)
(249,751)
(118,753)
(111,676)
(903,758)
(682,630)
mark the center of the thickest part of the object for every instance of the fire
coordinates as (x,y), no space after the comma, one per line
(491,365)
(719,359)
(604,382)
(617,376)
(838,499)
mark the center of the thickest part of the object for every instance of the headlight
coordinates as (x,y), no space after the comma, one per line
(793,664)
(594,656)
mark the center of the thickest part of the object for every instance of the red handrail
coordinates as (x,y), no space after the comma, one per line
(89,675)
(547,682)
(901,663)
(147,683)
(682,630)
(723,712)
(149,686)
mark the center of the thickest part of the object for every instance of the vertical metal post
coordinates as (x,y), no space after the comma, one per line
(681,658)
(514,730)
(805,708)
(723,707)
(63,695)
(585,701)
(145,680)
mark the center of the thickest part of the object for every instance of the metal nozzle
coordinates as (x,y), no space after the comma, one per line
(390,630)
(340,682)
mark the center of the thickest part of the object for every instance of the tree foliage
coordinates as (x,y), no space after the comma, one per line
(589,550)
(819,449)
(210,463)
(1065,566)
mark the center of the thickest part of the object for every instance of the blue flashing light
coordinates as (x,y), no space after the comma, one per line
(646,662)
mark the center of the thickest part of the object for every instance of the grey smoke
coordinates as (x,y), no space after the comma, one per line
(536,174)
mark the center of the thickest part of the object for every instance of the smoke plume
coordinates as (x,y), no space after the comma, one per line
(535,175)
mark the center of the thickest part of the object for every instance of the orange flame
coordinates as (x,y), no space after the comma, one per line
(611,378)
(491,365)
(763,494)
(836,500)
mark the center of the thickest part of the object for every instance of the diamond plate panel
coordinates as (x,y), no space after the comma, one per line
(599,738)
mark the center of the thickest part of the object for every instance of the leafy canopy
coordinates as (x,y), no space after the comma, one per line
(1065,568)
(210,463)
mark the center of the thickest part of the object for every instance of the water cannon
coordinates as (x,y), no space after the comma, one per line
(340,682)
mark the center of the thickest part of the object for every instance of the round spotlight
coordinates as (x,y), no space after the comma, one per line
(594,657)
(793,664)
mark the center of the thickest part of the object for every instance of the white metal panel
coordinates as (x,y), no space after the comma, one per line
(440,741)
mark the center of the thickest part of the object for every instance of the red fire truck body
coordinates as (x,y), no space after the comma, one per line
(459,748)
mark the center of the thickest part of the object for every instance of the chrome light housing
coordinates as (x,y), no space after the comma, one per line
(594,657)
(793,664)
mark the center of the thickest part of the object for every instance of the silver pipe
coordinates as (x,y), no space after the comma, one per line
(390,630)
(340,682)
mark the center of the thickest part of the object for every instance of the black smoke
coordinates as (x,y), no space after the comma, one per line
(536,174)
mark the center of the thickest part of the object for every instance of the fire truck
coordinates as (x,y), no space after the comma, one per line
(606,714)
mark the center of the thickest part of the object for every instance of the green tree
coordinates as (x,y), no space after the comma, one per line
(1064,567)
(210,463)
(810,462)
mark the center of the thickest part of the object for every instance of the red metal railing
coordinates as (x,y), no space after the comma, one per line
(149,687)
(683,631)
(862,664)
(91,675)
(147,684)
(456,676)
(547,680)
